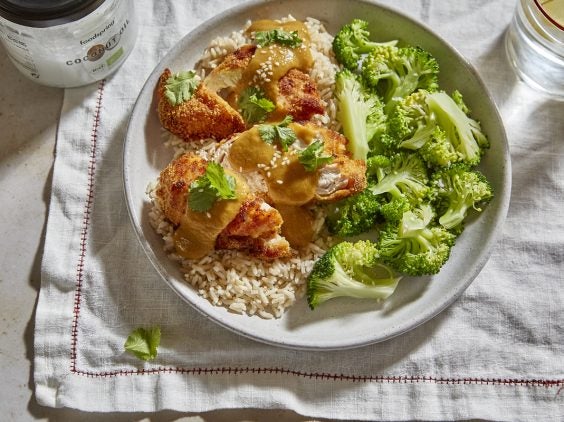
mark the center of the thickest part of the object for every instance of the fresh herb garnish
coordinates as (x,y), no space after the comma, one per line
(143,343)
(278,36)
(180,87)
(254,105)
(210,187)
(312,157)
(280,132)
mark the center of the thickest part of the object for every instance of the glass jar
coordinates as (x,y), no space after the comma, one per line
(67,43)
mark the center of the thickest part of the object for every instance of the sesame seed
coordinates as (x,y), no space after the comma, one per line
(279,181)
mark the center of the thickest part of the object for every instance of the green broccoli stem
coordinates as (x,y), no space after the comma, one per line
(341,284)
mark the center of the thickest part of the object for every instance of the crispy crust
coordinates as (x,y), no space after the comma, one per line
(230,71)
(204,115)
(174,183)
(298,96)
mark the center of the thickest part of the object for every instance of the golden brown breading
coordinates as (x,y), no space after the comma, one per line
(255,219)
(267,249)
(174,183)
(204,115)
(255,229)
(340,179)
(344,176)
(298,96)
(230,71)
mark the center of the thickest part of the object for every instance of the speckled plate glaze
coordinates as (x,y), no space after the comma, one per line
(341,323)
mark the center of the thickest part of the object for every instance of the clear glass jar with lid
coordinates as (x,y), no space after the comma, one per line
(67,43)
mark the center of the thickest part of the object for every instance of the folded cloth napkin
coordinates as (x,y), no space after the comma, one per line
(496,353)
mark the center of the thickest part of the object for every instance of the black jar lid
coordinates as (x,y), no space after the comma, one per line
(42,14)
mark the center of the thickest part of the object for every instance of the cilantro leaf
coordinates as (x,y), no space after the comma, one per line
(312,157)
(278,36)
(202,195)
(280,132)
(143,343)
(267,133)
(181,86)
(254,105)
(223,183)
(286,136)
(210,187)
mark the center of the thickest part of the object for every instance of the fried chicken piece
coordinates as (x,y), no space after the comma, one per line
(255,228)
(297,92)
(204,115)
(340,179)
(344,176)
(255,219)
(174,183)
(230,71)
(298,96)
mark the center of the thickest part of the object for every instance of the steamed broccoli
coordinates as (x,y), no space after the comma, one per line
(395,208)
(352,270)
(354,215)
(436,125)
(462,131)
(405,177)
(455,190)
(359,112)
(415,127)
(352,41)
(397,72)
(414,245)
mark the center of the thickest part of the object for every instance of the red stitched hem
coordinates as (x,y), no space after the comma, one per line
(227,370)
(327,376)
(85,223)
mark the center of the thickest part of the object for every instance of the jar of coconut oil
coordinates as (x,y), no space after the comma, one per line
(67,43)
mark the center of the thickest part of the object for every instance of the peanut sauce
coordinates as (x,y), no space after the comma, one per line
(272,62)
(290,185)
(195,237)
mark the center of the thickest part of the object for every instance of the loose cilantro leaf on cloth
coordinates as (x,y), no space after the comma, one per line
(280,132)
(278,36)
(210,187)
(143,343)
(180,87)
(312,157)
(254,105)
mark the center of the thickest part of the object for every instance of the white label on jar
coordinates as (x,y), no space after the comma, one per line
(76,53)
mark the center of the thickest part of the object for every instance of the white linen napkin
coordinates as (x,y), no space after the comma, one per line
(496,353)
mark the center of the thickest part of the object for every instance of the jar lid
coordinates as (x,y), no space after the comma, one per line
(42,14)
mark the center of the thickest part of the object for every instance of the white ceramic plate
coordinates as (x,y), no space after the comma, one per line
(340,323)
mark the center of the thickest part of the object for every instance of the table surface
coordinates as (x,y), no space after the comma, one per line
(28,124)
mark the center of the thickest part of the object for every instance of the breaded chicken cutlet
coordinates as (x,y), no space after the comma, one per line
(208,115)
(255,228)
(204,115)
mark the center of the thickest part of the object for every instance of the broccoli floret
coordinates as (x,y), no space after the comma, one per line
(406,176)
(414,245)
(397,72)
(354,215)
(457,189)
(352,41)
(351,270)
(395,208)
(463,132)
(436,125)
(360,113)
(377,166)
